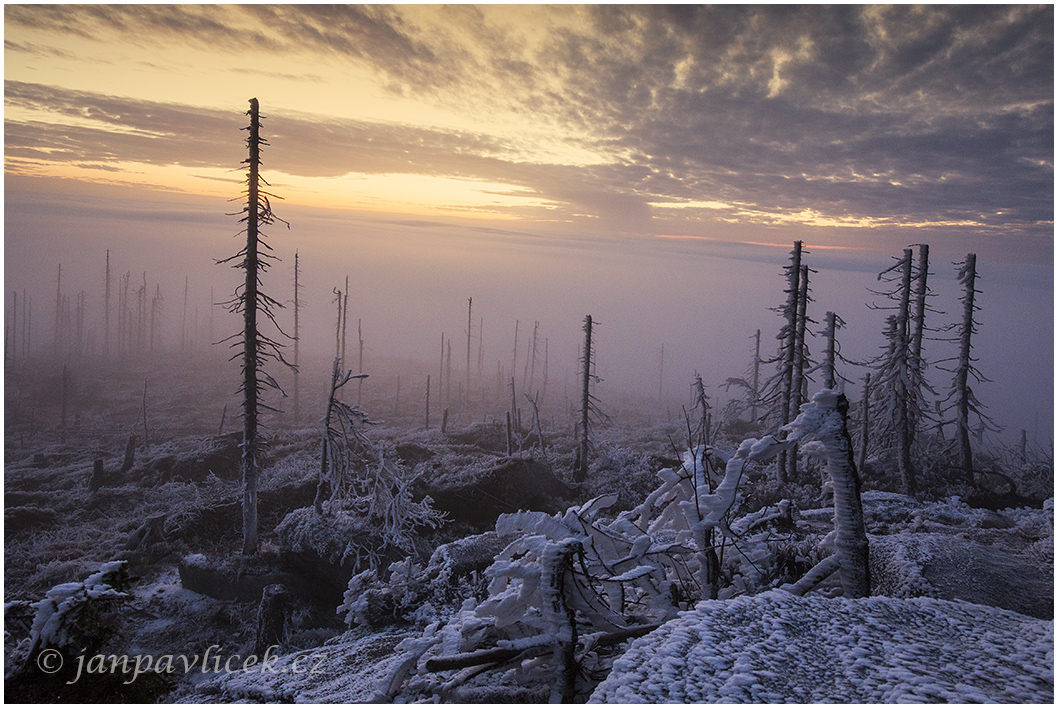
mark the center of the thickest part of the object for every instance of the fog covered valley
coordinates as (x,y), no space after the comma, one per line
(462,555)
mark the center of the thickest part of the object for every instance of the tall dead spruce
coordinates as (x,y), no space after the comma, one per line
(589,405)
(961,396)
(900,385)
(250,301)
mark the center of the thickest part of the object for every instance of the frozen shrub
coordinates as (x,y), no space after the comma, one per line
(77,616)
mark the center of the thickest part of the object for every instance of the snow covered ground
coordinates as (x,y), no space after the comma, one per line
(776,647)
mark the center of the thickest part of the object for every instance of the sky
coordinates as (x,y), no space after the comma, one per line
(651,164)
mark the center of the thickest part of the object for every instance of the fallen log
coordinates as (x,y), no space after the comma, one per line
(502,654)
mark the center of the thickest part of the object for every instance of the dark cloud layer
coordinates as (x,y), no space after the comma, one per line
(909,114)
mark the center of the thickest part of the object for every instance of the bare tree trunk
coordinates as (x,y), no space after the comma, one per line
(481,350)
(14,328)
(918,319)
(830,355)
(338,325)
(154,314)
(146,438)
(470,308)
(441,372)
(251,360)
(661,375)
(359,359)
(514,405)
(297,341)
(332,395)
(865,422)
(543,388)
(183,319)
(65,398)
(904,434)
(130,454)
(510,441)
(345,317)
(212,307)
(448,376)
(916,365)
(514,357)
(756,378)
(80,323)
(585,436)
(797,390)
(427,425)
(968,278)
(58,309)
(797,387)
(793,291)
(106,309)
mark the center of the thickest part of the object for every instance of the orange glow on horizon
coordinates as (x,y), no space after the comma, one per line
(754,243)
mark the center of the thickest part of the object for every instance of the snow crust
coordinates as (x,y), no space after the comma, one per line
(776,647)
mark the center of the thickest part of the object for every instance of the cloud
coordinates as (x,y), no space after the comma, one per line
(907,115)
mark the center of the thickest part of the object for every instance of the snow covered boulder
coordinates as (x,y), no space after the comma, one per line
(776,647)
(953,568)
(478,495)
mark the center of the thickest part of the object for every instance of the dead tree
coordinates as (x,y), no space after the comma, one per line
(801,357)
(441,372)
(470,307)
(961,395)
(338,324)
(341,429)
(661,375)
(778,391)
(588,403)
(250,302)
(297,339)
(427,425)
(832,352)
(865,422)
(106,309)
(345,317)
(897,393)
(360,359)
(183,319)
(448,375)
(514,357)
(825,420)
(155,306)
(58,309)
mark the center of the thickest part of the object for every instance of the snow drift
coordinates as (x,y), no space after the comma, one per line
(776,647)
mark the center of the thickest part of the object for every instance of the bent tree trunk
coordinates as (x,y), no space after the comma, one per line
(825,420)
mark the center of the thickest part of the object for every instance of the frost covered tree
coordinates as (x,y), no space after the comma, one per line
(824,421)
(832,353)
(900,386)
(751,382)
(784,391)
(961,396)
(251,302)
(341,434)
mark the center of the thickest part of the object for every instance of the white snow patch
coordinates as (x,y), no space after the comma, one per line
(777,647)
